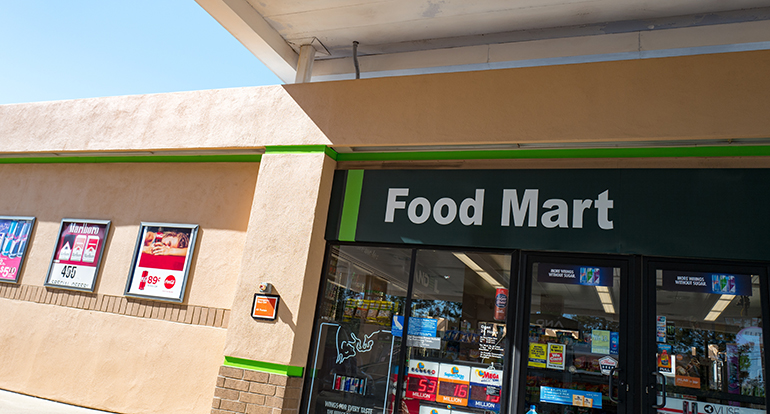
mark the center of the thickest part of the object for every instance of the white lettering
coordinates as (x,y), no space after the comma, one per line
(451,211)
(560,213)
(424,214)
(578,207)
(392,204)
(528,203)
(478,209)
(603,204)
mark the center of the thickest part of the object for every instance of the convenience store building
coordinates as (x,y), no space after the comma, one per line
(548,224)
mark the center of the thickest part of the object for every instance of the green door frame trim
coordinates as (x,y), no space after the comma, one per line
(556,153)
(287,370)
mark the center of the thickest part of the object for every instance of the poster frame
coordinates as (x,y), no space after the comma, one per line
(188,260)
(32,220)
(107,224)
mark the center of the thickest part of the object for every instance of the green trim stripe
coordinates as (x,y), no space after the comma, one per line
(287,370)
(664,152)
(349,219)
(715,151)
(137,158)
(301,149)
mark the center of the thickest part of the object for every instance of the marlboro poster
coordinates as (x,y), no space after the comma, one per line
(15,233)
(161,262)
(78,254)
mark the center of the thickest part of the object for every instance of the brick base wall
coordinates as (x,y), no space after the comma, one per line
(253,392)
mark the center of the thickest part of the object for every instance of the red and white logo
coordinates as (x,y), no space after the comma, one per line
(169,282)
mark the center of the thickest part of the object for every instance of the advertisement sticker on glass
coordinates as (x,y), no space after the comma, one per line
(14,239)
(574,275)
(161,262)
(78,254)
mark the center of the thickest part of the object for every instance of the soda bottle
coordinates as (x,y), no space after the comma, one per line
(158,236)
(10,237)
(23,235)
(532,410)
(143,282)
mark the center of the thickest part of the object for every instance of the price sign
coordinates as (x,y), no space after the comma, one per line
(453,393)
(14,237)
(421,388)
(422,380)
(453,385)
(485,389)
(161,263)
(77,254)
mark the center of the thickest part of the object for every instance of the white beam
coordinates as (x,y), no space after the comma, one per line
(251,29)
(569,50)
(305,64)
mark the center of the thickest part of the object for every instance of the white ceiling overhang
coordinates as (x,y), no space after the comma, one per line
(404,37)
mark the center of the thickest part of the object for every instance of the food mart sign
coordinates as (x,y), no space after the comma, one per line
(673,212)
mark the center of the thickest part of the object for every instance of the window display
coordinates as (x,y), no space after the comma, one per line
(573,337)
(454,335)
(464,296)
(710,350)
(355,356)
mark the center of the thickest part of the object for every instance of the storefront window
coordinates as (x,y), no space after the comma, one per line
(455,333)
(710,350)
(355,356)
(573,338)
(456,342)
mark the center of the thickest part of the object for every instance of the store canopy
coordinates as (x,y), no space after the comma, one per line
(404,37)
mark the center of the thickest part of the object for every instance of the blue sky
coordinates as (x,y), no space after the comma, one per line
(56,49)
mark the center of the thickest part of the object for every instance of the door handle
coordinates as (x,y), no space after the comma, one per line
(662,389)
(612,374)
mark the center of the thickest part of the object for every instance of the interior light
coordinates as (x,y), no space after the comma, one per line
(605,298)
(476,268)
(719,307)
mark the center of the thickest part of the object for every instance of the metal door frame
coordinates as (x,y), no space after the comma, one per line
(628,317)
(648,385)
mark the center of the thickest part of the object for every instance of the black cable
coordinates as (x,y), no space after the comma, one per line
(355,59)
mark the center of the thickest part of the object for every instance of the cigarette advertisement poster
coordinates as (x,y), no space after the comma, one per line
(161,262)
(14,239)
(77,254)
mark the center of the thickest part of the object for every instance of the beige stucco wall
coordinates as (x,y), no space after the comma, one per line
(705,96)
(123,363)
(284,246)
(216,196)
(110,362)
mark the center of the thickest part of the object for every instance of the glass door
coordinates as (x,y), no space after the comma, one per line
(706,339)
(574,356)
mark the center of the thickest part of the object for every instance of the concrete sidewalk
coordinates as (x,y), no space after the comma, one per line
(12,403)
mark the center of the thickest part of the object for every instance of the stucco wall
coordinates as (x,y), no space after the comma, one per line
(679,98)
(127,363)
(285,247)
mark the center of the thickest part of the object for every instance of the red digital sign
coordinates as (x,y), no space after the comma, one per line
(421,388)
(452,393)
(481,394)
